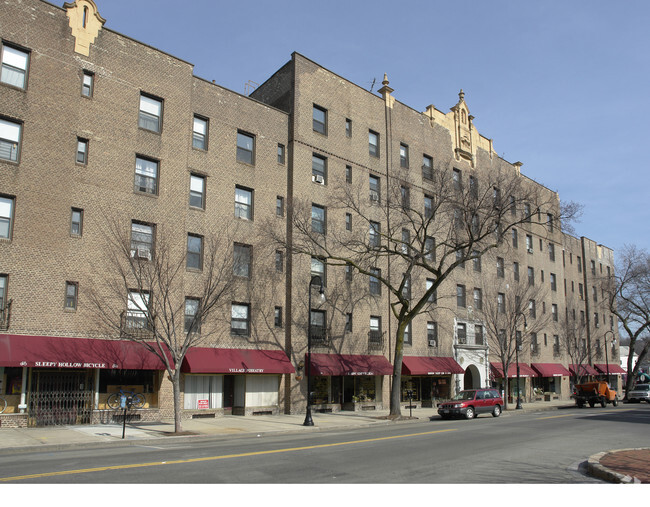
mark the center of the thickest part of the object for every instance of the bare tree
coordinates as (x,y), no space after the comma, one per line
(628,292)
(573,338)
(399,235)
(150,298)
(511,316)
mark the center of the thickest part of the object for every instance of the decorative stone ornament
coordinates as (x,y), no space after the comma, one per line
(463,123)
(85,22)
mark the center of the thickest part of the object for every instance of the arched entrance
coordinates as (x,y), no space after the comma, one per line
(472,378)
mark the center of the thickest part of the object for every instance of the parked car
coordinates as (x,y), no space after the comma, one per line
(472,402)
(641,392)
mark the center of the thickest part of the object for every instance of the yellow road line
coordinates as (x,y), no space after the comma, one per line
(209,458)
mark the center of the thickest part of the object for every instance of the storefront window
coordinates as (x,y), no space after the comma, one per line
(13,378)
(320,388)
(111,380)
(365,388)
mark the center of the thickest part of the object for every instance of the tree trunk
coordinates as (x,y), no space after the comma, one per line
(396,387)
(506,386)
(176,382)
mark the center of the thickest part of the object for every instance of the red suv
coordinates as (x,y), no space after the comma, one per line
(472,402)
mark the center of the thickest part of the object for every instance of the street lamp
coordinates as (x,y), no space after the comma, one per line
(517,347)
(606,359)
(314,280)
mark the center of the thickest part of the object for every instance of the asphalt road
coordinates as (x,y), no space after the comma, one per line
(535,448)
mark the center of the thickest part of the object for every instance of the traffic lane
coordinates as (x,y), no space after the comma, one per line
(510,438)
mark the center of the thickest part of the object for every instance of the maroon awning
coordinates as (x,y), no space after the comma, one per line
(550,370)
(58,352)
(425,365)
(585,369)
(614,369)
(213,360)
(496,369)
(342,364)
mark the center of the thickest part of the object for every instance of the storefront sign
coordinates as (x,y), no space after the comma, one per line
(55,364)
(361,373)
(246,370)
(204,404)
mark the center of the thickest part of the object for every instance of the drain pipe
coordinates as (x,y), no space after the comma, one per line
(23,391)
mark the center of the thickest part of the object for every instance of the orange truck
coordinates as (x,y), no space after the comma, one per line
(595,392)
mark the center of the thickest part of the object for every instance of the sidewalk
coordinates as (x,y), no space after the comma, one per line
(54,438)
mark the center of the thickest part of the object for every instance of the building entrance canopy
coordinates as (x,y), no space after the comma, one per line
(424,365)
(585,369)
(496,369)
(236,361)
(551,370)
(57,352)
(341,364)
(614,369)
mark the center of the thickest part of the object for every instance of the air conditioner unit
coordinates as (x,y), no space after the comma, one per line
(529,250)
(433,343)
(318,179)
(143,253)
(374,196)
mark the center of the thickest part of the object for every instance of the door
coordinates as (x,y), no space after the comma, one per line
(60,398)
(228,393)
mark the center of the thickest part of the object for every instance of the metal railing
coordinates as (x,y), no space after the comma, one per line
(375,339)
(5,316)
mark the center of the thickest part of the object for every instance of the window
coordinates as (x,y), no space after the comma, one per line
(496,197)
(429,249)
(375,284)
(404,156)
(513,206)
(243,203)
(348,127)
(318,223)
(76,221)
(87,84)
(531,276)
(319,120)
(501,303)
(406,288)
(529,243)
(348,273)
(318,269)
(408,335)
(240,319)
(532,309)
(476,261)
(374,188)
(478,299)
(318,169)
(348,222)
(553,282)
(549,222)
(348,322)
(3,296)
(473,188)
(375,329)
(318,319)
(515,240)
(554,312)
(374,234)
(593,268)
(146,175)
(194,258)
(406,197)
(432,334)
(579,262)
(71,289)
(460,296)
(200,133)
(245,148)
(580,291)
(137,310)
(150,117)
(348,174)
(433,297)
(279,206)
(527,213)
(242,260)
(197,191)
(428,207)
(279,261)
(142,240)
(457,179)
(551,252)
(281,154)
(500,267)
(515,270)
(596,322)
(14,66)
(6,216)
(459,258)
(427,167)
(478,334)
(277,317)
(594,292)
(406,241)
(192,323)
(373,143)
(10,133)
(82,151)
(461,332)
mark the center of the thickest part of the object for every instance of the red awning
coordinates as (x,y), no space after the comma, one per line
(614,369)
(524,370)
(233,361)
(550,370)
(56,352)
(342,364)
(424,365)
(585,369)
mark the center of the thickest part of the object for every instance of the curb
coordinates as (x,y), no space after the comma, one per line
(595,469)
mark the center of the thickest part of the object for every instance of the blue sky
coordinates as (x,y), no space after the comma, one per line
(558,85)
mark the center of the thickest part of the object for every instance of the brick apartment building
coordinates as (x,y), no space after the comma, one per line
(98,130)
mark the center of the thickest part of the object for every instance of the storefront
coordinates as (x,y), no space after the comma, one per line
(525,387)
(552,381)
(347,382)
(232,381)
(52,380)
(587,373)
(429,379)
(612,373)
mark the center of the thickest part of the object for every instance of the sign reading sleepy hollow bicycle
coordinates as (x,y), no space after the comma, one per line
(57,364)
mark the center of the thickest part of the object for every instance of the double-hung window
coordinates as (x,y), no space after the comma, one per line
(432,334)
(373,143)
(242,261)
(197,191)
(240,319)
(146,175)
(281,154)
(460,296)
(150,117)
(76,222)
(6,216)
(403,156)
(82,151)
(427,167)
(71,290)
(318,169)
(87,84)
(375,234)
(200,133)
(14,66)
(192,321)
(428,207)
(318,269)
(137,310)
(319,123)
(10,133)
(375,284)
(318,223)
(141,240)
(244,203)
(194,259)
(374,183)
(245,148)
(3,298)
